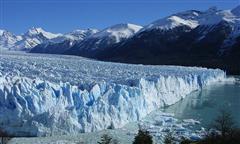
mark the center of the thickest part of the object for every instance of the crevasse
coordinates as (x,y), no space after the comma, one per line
(32,107)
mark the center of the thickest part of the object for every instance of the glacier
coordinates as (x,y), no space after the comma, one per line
(44,95)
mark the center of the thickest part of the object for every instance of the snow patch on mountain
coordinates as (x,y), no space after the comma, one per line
(71,94)
(172,22)
(211,18)
(1,32)
(36,31)
(193,18)
(62,43)
(33,37)
(76,35)
(119,31)
(7,39)
(233,17)
(95,40)
(104,39)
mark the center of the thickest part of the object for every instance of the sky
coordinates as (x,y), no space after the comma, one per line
(61,16)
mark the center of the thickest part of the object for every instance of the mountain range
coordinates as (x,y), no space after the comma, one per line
(208,38)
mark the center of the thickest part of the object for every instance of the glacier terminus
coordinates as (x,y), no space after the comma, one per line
(44,95)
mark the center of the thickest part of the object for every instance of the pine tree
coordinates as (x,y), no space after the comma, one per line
(168,138)
(143,137)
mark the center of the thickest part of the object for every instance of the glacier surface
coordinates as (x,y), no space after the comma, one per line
(51,95)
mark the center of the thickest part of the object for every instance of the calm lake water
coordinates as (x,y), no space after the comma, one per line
(205,105)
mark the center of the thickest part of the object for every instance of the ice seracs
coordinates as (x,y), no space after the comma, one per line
(73,94)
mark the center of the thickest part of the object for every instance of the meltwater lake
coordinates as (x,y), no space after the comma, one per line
(205,105)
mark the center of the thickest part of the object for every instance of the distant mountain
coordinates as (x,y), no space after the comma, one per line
(89,42)
(32,38)
(103,39)
(192,38)
(26,41)
(62,43)
(7,39)
(208,38)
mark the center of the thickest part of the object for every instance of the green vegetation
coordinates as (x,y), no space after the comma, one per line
(143,137)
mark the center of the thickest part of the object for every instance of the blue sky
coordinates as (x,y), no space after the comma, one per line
(66,15)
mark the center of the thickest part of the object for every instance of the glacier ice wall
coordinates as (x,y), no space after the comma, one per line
(31,106)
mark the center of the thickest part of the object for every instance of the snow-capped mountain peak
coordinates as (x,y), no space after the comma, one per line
(31,38)
(186,18)
(94,39)
(75,35)
(80,33)
(1,32)
(190,14)
(104,39)
(36,31)
(172,22)
(124,26)
(64,42)
(7,39)
(193,18)
(119,31)
(211,17)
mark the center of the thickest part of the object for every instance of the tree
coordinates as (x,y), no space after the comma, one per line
(224,123)
(169,138)
(185,141)
(143,137)
(5,137)
(226,132)
(105,139)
